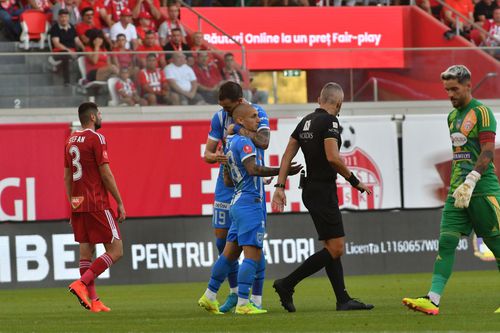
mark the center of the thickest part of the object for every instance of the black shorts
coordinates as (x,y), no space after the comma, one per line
(321,200)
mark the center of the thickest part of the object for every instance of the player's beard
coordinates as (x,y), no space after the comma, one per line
(97,124)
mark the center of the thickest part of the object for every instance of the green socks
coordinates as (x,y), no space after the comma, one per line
(443,265)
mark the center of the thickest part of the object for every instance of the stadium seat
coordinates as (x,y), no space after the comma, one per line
(113,94)
(86,85)
(53,63)
(35,26)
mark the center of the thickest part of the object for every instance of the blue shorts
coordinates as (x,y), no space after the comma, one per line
(221,218)
(248,223)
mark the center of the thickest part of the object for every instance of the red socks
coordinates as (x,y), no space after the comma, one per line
(98,266)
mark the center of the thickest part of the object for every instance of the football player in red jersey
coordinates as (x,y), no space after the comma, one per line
(88,179)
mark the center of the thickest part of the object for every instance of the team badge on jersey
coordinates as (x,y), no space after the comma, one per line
(105,154)
(76,202)
(247,149)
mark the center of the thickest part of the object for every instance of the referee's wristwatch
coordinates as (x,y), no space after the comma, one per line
(278,185)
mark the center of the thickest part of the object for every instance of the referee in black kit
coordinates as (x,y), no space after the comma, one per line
(318,136)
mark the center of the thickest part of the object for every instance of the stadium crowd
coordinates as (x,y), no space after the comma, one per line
(174,66)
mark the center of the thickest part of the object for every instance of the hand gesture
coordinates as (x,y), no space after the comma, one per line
(363,188)
(294,168)
(279,200)
(122,215)
(219,156)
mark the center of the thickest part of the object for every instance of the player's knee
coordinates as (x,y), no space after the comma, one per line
(336,250)
(448,241)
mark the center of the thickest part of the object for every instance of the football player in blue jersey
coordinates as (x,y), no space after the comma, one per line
(230,96)
(244,171)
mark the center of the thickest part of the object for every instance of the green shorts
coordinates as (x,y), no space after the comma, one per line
(482,216)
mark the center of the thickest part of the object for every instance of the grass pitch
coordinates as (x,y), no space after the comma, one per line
(468,305)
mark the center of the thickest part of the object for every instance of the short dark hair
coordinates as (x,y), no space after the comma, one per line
(151,55)
(63,11)
(229,54)
(230,90)
(87,9)
(120,35)
(176,29)
(150,32)
(84,111)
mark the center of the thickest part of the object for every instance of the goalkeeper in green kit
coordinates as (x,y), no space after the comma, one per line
(473,202)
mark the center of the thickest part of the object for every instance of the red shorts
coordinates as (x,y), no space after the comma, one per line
(95,227)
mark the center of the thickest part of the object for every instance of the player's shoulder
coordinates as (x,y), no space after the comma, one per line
(93,135)
(219,115)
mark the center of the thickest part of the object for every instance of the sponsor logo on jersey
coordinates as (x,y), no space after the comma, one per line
(222,205)
(76,202)
(260,237)
(468,125)
(462,156)
(458,139)
(247,149)
(306,135)
(105,154)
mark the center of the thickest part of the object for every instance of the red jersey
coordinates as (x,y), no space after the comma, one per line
(115,7)
(82,28)
(151,49)
(96,5)
(85,151)
(125,87)
(153,79)
(209,76)
(102,60)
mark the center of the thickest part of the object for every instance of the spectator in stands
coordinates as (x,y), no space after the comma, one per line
(74,13)
(231,73)
(115,7)
(154,85)
(102,20)
(64,40)
(150,6)
(97,63)
(126,90)
(197,45)
(493,38)
(124,59)
(464,7)
(208,77)
(171,22)
(125,26)
(42,5)
(183,80)
(145,25)
(149,45)
(175,43)
(86,25)
(483,10)
(10,10)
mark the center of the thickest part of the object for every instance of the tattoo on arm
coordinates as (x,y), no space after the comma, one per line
(258,170)
(259,138)
(484,160)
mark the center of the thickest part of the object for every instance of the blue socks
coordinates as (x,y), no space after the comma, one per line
(258,284)
(220,270)
(246,277)
(232,276)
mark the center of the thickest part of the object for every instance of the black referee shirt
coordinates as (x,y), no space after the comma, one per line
(311,133)
(66,36)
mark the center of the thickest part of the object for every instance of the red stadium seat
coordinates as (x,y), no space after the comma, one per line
(35,27)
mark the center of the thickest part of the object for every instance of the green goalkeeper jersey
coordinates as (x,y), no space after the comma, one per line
(465,124)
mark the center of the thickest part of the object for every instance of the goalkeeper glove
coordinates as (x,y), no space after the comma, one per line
(463,193)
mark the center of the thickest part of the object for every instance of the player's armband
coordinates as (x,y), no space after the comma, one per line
(485,137)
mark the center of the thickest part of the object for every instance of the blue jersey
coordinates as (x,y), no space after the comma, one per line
(246,187)
(218,132)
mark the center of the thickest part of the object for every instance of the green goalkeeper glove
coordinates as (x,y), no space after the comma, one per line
(463,193)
